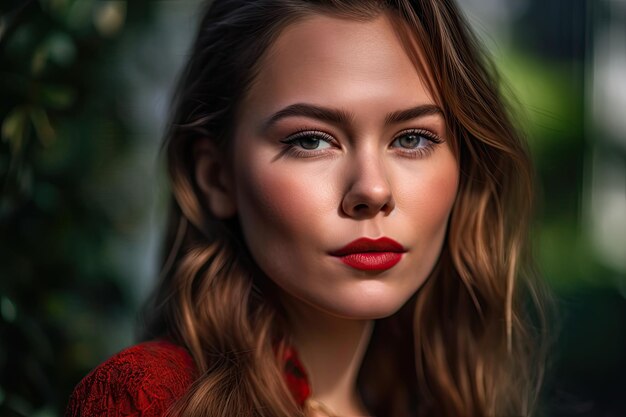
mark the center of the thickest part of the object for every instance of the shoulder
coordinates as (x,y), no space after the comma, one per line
(143,380)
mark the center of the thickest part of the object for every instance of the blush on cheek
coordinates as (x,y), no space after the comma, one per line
(272,200)
(430,201)
(439,188)
(444,190)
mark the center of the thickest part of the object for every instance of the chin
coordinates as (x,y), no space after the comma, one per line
(363,305)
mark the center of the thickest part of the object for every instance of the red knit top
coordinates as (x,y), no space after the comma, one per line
(145,379)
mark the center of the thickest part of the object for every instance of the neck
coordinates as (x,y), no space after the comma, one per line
(331,350)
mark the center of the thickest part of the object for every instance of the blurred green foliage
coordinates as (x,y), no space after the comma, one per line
(64,306)
(552,98)
(60,301)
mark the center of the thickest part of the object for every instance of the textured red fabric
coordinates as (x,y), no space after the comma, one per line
(145,379)
(296,377)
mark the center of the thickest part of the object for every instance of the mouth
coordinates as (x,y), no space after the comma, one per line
(372,261)
(371,255)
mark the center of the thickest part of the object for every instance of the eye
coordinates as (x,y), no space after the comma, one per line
(308,143)
(416,142)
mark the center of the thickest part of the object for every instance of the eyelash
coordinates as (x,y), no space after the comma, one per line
(290,141)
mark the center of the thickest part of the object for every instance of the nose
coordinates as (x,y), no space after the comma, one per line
(368,191)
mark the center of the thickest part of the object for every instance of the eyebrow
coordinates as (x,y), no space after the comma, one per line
(337,116)
(413,113)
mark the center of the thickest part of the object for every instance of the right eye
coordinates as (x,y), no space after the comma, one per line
(308,143)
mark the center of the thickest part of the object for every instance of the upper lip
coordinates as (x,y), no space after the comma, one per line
(364,244)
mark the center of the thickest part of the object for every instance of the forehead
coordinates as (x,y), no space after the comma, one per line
(323,58)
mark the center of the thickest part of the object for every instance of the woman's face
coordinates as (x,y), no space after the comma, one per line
(338,139)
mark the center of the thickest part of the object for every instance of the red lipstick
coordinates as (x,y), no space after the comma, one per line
(371,255)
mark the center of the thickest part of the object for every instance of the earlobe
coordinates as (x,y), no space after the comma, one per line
(214,179)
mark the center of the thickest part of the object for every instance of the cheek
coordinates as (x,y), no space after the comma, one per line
(279,203)
(426,204)
(429,198)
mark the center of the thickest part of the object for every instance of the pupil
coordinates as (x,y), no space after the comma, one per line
(409,140)
(309,143)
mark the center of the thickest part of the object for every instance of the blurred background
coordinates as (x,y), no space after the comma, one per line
(84,91)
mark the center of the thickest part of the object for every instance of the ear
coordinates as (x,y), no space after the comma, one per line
(214,178)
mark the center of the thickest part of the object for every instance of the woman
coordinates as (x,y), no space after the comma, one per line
(348,225)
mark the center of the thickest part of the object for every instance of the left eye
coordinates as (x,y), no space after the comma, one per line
(412,140)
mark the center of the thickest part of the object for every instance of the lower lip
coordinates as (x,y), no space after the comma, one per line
(371,261)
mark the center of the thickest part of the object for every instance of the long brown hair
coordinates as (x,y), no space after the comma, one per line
(468,343)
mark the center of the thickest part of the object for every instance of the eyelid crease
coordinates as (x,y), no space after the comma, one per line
(306,132)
